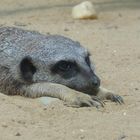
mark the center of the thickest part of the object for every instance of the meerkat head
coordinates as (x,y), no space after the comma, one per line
(61,60)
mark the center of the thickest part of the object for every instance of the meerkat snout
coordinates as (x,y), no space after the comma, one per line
(95,81)
(76,72)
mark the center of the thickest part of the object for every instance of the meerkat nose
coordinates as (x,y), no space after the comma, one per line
(95,81)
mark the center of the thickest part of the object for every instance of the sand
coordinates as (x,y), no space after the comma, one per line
(114,43)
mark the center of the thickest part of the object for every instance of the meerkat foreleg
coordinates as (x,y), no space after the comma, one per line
(71,97)
(104,94)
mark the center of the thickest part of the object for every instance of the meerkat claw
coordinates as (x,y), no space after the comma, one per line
(117,99)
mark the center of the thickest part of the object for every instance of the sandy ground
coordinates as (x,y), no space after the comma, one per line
(114,42)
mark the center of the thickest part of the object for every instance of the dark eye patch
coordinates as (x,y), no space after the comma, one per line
(27,69)
(66,69)
(64,66)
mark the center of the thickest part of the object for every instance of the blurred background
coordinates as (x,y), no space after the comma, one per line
(27,12)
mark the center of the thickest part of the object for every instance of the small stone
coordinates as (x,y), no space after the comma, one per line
(44,108)
(81,130)
(5,126)
(3,99)
(82,137)
(18,134)
(21,122)
(114,51)
(48,33)
(122,137)
(124,113)
(73,132)
(136,89)
(19,106)
(66,29)
(116,27)
(84,10)
(120,15)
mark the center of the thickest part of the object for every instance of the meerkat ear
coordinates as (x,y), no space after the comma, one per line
(27,69)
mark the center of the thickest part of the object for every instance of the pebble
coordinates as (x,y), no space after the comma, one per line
(136,89)
(66,29)
(124,113)
(5,126)
(18,134)
(82,137)
(84,10)
(81,130)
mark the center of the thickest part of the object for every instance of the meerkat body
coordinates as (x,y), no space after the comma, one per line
(35,65)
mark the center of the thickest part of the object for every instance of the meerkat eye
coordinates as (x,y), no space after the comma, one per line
(64,65)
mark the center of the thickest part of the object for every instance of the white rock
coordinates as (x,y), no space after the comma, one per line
(47,100)
(84,10)
(124,113)
(82,130)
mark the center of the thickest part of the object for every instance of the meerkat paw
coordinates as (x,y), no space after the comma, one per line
(83,100)
(95,98)
(113,97)
(116,98)
(109,95)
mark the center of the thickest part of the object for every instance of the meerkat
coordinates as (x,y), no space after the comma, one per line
(36,65)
